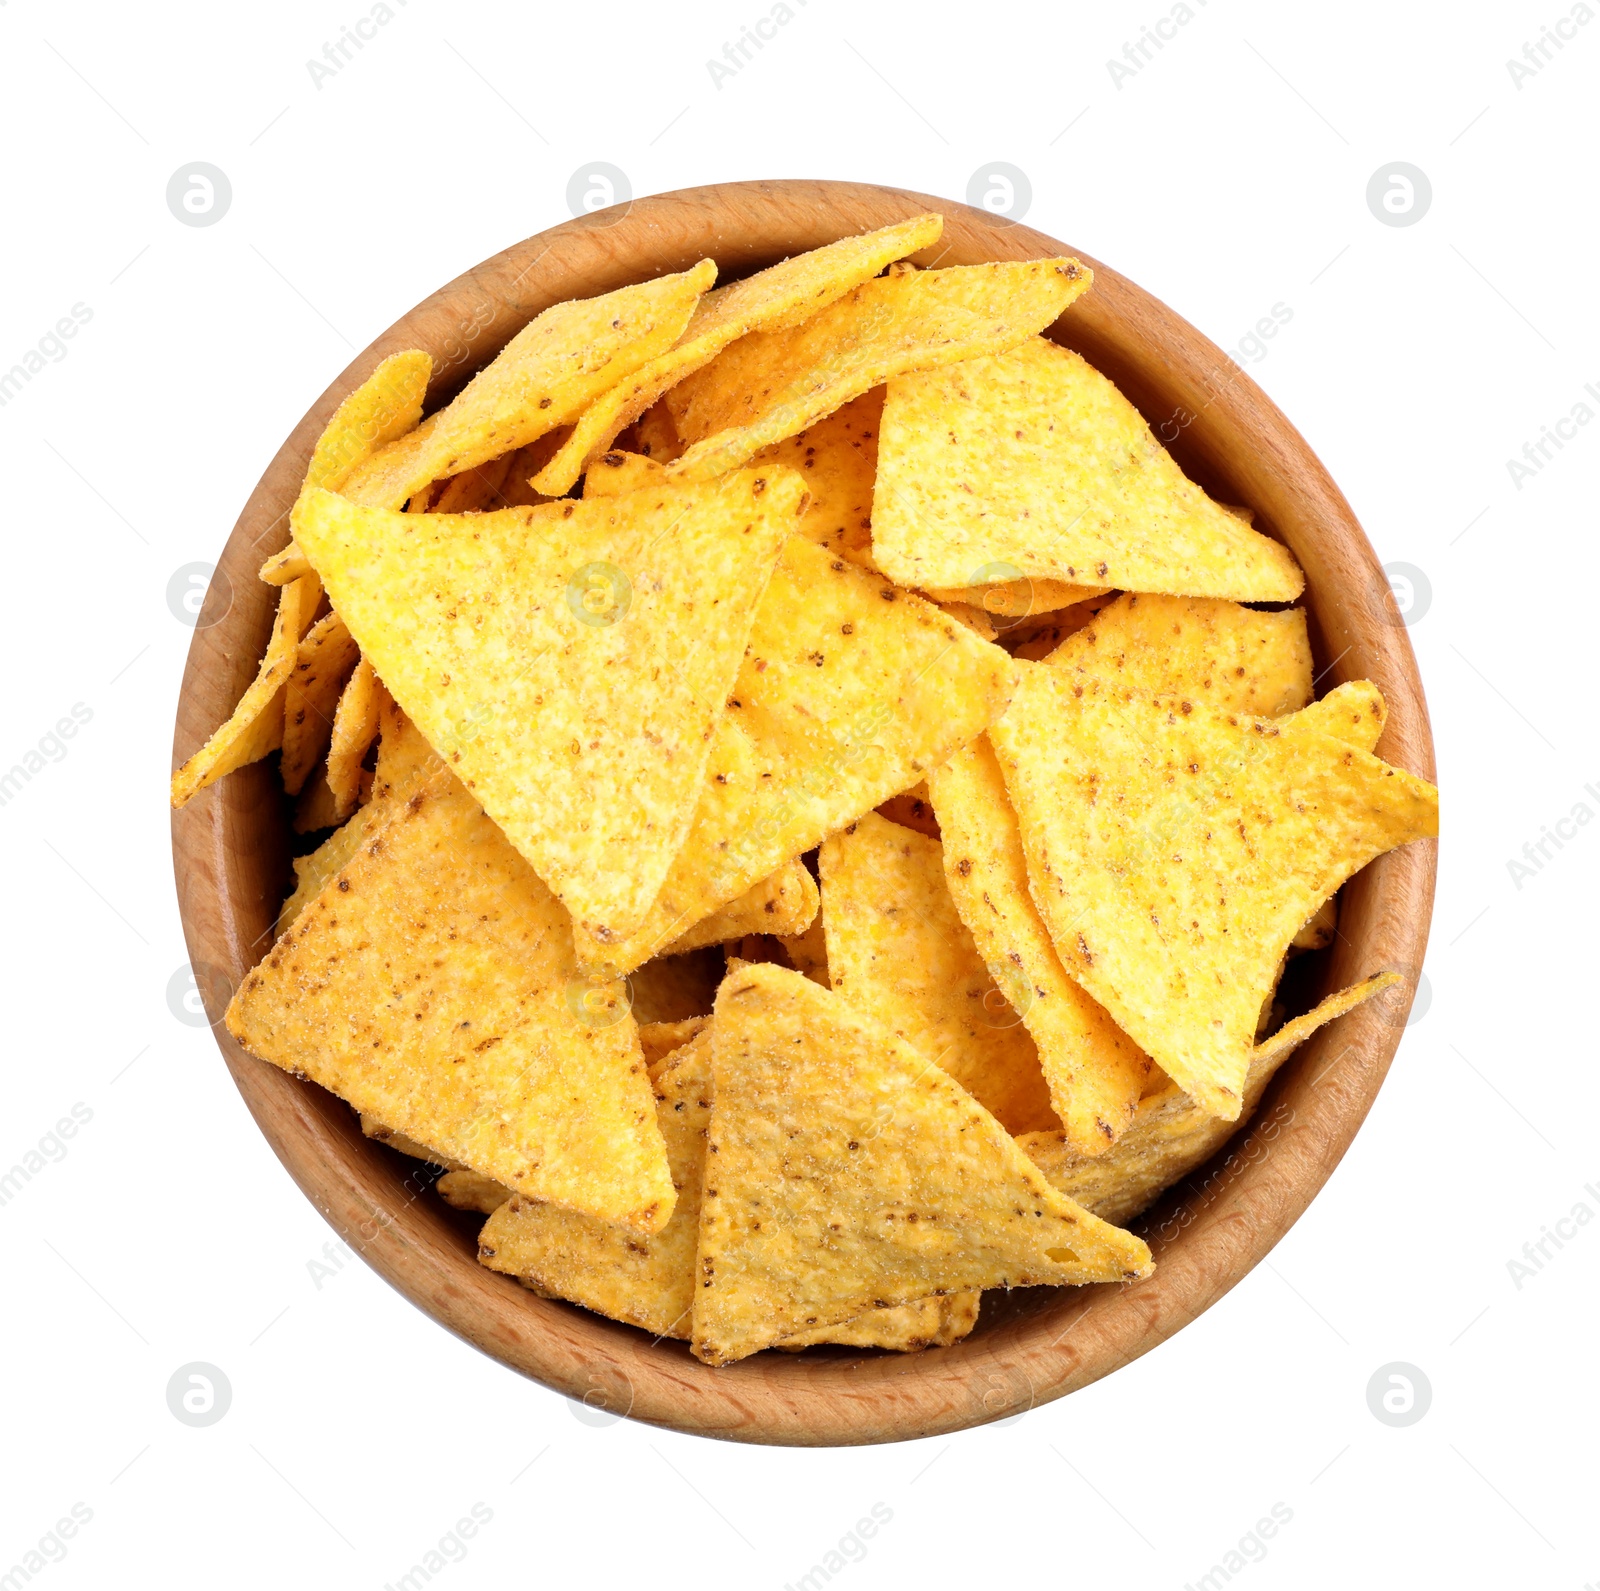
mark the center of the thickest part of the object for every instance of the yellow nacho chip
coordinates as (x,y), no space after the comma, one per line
(838,459)
(557,365)
(897,949)
(1174,855)
(1008,602)
(1094,1071)
(849,1174)
(256,727)
(433,984)
(570,661)
(1200,647)
(808,952)
(385,406)
(375,1129)
(771,384)
(1354,712)
(784,294)
(471,1190)
(323,660)
(1172,1135)
(849,692)
(1032,459)
(783,903)
(655,436)
(646,1280)
(660,1041)
(908,1328)
(355,726)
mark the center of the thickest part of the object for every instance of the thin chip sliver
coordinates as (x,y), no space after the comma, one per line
(783,903)
(355,726)
(1030,458)
(1172,1135)
(323,661)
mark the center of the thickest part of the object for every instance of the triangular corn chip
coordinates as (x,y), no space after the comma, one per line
(355,724)
(570,661)
(907,1328)
(808,952)
(1174,853)
(1172,1135)
(849,692)
(783,903)
(1095,1072)
(838,458)
(1354,712)
(655,435)
(784,294)
(897,949)
(660,1041)
(1032,458)
(256,727)
(1200,647)
(471,1190)
(647,1281)
(557,365)
(401,1144)
(385,406)
(845,1173)
(432,984)
(1009,601)
(771,384)
(323,660)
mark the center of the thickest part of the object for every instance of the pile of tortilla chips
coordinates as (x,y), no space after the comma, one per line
(811,805)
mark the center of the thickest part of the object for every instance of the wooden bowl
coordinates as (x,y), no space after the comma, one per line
(231,848)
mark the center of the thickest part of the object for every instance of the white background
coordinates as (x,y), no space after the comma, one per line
(1226,176)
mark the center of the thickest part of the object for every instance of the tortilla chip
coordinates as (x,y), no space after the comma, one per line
(324,658)
(1173,1135)
(783,295)
(355,726)
(655,436)
(771,384)
(375,1129)
(583,729)
(1008,602)
(474,490)
(852,1175)
(615,473)
(256,728)
(471,1190)
(674,988)
(784,903)
(838,458)
(912,809)
(807,953)
(660,1041)
(849,692)
(1318,929)
(1035,639)
(1032,458)
(432,984)
(1196,647)
(1354,712)
(645,1280)
(552,370)
(908,1328)
(897,949)
(1175,854)
(385,406)
(1094,1071)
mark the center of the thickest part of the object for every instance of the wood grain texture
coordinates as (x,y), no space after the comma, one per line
(230,851)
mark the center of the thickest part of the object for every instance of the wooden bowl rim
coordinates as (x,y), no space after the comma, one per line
(229,855)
